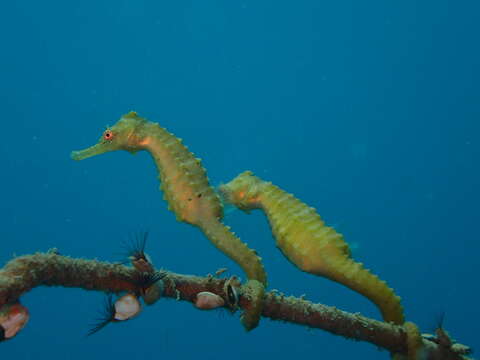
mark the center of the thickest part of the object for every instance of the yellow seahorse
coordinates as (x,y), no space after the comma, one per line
(187,190)
(308,243)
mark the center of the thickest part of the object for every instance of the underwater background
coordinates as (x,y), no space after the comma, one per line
(367,111)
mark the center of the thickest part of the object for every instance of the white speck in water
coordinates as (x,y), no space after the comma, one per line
(429,196)
(359,151)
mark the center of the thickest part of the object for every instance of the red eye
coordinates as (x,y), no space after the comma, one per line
(108,135)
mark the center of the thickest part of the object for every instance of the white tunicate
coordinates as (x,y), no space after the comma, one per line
(127,307)
(207,301)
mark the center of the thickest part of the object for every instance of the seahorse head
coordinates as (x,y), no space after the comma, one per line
(243,191)
(124,135)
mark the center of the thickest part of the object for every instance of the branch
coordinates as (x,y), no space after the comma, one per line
(23,273)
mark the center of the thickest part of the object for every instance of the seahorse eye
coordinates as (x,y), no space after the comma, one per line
(108,135)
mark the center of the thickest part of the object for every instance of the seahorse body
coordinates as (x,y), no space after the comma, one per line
(185,186)
(307,242)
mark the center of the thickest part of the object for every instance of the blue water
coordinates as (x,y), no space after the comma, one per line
(368,111)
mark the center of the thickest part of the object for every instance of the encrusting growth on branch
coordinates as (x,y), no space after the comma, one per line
(51,269)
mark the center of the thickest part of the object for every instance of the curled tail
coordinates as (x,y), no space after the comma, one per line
(226,241)
(307,242)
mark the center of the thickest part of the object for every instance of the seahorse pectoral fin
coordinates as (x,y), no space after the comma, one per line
(96,149)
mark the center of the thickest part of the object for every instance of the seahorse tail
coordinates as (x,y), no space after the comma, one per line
(226,241)
(255,292)
(356,277)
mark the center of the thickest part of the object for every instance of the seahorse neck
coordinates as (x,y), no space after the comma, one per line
(151,137)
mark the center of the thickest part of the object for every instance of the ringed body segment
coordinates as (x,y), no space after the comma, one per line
(184,183)
(307,242)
